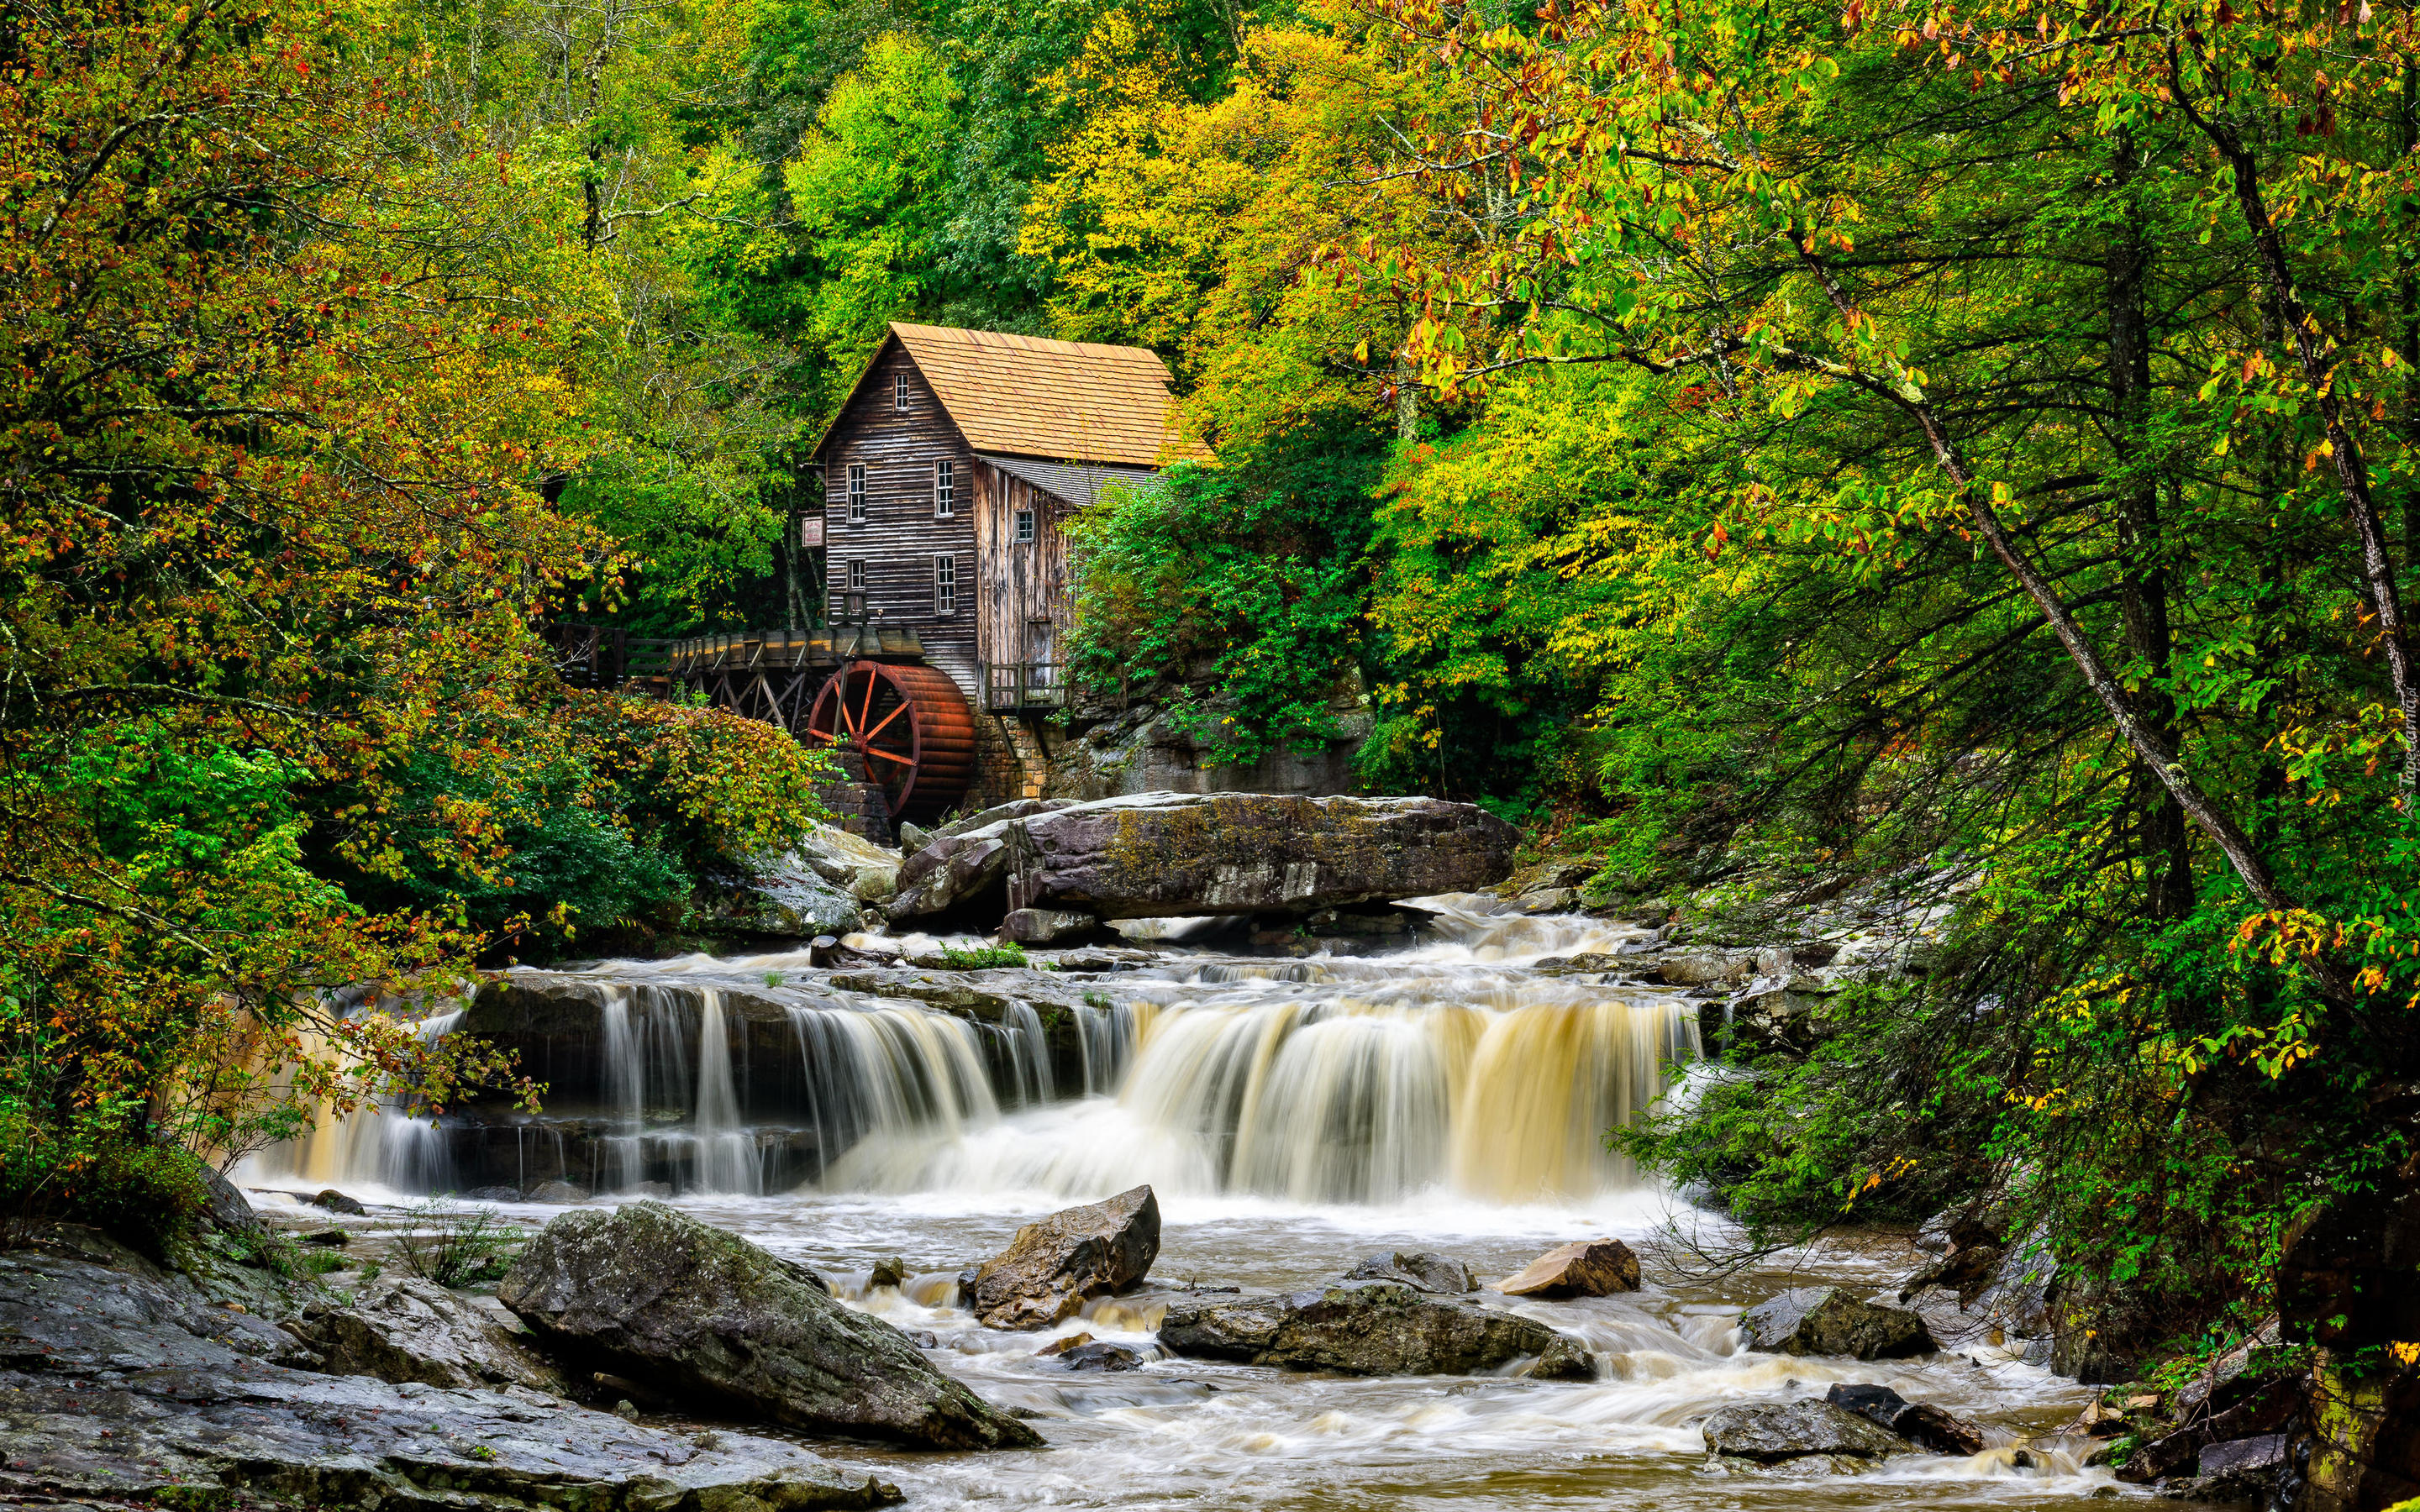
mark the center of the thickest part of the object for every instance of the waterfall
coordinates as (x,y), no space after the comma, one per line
(1452,1067)
(382,1145)
(726,1152)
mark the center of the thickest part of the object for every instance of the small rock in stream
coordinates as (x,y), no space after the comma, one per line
(1370,1328)
(1416,1268)
(1919,1423)
(336,1201)
(1587,1268)
(1828,1321)
(1773,1433)
(1055,1264)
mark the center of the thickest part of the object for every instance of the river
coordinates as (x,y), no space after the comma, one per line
(1292,1117)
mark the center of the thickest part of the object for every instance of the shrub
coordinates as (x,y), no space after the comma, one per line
(455,1246)
(1011,954)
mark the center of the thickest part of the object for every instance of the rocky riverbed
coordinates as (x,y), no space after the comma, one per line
(1352,1240)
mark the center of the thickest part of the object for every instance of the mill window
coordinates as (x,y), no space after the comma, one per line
(945,486)
(1024,525)
(857,577)
(857,493)
(899,393)
(945,585)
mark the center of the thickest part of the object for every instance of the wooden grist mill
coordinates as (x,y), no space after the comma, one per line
(949,476)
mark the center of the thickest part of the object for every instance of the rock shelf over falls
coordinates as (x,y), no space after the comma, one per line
(1447,1064)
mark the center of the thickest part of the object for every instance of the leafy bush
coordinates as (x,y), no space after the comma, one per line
(455,1246)
(1238,590)
(1011,954)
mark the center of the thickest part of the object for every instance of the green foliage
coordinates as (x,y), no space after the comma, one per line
(1238,587)
(1011,954)
(453,1245)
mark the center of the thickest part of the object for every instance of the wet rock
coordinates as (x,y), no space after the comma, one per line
(865,871)
(1830,1321)
(556,1191)
(1045,926)
(957,872)
(1368,1328)
(647,1291)
(782,897)
(1163,855)
(2237,1455)
(1770,1433)
(414,1329)
(1702,970)
(336,1201)
(891,1271)
(1102,1355)
(1922,1424)
(1416,1268)
(1073,1341)
(1587,1268)
(1054,1264)
(194,1417)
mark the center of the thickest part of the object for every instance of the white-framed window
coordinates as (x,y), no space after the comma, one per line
(899,392)
(945,585)
(857,493)
(1024,532)
(945,486)
(857,577)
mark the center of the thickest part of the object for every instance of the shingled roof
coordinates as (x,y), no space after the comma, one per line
(1059,401)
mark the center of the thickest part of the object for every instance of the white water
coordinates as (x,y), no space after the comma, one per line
(1292,1116)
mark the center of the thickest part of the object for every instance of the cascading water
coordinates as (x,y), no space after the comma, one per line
(386,1146)
(1292,1115)
(1447,1067)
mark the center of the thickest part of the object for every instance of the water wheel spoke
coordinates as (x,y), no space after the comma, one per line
(886,720)
(877,750)
(872,681)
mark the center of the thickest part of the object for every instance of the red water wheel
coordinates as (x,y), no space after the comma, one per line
(911,727)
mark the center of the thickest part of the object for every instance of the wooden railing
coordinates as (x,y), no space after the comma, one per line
(1024,684)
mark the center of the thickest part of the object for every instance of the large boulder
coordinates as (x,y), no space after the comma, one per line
(869,872)
(955,873)
(120,1382)
(1587,1268)
(649,1292)
(1416,1268)
(1773,1433)
(1827,1320)
(1055,1263)
(782,897)
(1174,855)
(414,1329)
(1370,1328)
(1164,855)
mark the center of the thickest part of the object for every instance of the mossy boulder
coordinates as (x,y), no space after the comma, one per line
(649,1292)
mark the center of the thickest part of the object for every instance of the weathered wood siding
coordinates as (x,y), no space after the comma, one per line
(900,537)
(1026,607)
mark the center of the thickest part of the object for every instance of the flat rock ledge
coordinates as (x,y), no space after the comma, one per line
(646,1291)
(1370,1328)
(118,1385)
